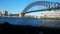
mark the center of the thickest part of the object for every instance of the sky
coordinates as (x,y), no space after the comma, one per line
(17,6)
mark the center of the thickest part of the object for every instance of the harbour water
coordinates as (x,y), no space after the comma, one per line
(30,21)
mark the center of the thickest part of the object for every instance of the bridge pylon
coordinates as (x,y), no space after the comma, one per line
(21,14)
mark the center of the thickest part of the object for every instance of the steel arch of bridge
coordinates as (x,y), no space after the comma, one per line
(47,4)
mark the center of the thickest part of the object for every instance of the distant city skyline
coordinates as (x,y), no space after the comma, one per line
(16,6)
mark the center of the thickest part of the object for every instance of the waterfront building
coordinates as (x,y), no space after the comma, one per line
(36,16)
(51,15)
(3,13)
(0,13)
(14,15)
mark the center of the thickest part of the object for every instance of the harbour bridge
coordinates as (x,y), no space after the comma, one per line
(49,6)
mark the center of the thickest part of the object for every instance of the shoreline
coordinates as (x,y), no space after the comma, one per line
(51,18)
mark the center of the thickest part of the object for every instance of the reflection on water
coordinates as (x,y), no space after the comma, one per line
(31,21)
(51,23)
(22,21)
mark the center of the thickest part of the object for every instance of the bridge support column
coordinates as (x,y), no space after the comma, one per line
(21,15)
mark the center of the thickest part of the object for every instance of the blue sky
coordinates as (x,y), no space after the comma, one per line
(16,6)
